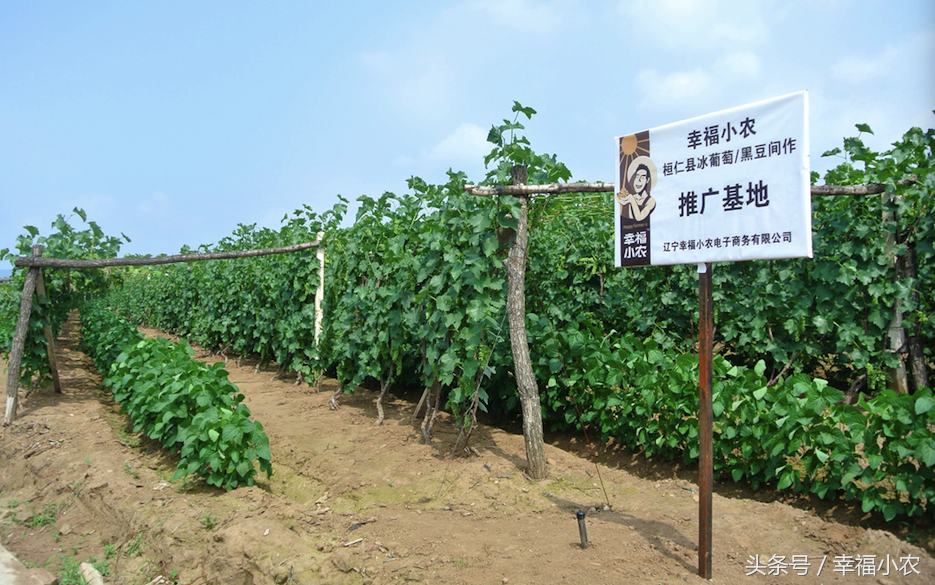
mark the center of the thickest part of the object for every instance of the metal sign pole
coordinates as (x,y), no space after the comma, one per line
(705,419)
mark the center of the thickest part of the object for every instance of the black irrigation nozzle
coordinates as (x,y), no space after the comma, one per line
(582,529)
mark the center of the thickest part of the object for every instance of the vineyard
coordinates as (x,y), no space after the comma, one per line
(821,374)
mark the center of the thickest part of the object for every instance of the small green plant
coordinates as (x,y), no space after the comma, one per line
(876,378)
(135,548)
(103,567)
(209,521)
(70,573)
(128,469)
(46,517)
(911,532)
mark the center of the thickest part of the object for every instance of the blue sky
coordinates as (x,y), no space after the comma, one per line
(172,122)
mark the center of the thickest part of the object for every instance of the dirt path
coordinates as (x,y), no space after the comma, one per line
(76,484)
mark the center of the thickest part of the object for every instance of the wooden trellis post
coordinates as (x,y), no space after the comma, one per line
(47,329)
(515,265)
(320,293)
(19,339)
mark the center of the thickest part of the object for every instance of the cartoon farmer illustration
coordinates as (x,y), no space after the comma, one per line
(635,198)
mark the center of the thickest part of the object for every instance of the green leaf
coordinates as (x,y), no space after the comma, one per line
(529,112)
(495,136)
(717,408)
(555,365)
(477,309)
(230,432)
(926,452)
(924,404)
(509,222)
(760,367)
(213,434)
(864,128)
(890,511)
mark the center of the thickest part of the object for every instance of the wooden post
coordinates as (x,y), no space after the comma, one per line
(895,332)
(19,340)
(916,357)
(522,366)
(47,328)
(705,419)
(320,293)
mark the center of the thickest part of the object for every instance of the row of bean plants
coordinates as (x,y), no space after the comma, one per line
(189,407)
(796,434)
(263,306)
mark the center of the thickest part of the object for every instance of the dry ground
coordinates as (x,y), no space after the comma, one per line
(353,503)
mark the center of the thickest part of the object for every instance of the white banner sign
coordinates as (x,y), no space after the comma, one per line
(733,185)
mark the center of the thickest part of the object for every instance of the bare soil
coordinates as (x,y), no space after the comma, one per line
(351,503)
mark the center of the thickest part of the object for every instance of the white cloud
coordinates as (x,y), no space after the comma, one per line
(466,144)
(676,88)
(463,149)
(860,88)
(159,205)
(855,69)
(740,64)
(419,82)
(740,33)
(404,160)
(702,26)
(526,15)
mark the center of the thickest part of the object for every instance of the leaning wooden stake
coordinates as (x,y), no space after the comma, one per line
(47,329)
(522,365)
(19,340)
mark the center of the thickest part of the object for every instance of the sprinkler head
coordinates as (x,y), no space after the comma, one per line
(582,529)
